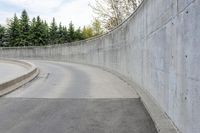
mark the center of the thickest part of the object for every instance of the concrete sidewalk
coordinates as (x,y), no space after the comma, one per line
(10,71)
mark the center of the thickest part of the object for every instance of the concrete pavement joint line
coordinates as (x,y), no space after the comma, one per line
(11,85)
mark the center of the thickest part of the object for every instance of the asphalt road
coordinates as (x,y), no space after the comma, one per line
(73,98)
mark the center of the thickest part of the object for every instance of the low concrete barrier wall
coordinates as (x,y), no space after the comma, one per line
(13,84)
(157,48)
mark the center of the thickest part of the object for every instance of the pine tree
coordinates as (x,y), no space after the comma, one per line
(33,29)
(6,38)
(71,32)
(78,35)
(60,34)
(24,29)
(2,33)
(14,32)
(65,34)
(53,32)
(46,32)
(40,32)
(21,32)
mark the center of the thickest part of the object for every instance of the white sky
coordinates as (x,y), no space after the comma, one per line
(64,11)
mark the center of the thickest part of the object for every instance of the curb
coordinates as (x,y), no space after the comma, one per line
(15,83)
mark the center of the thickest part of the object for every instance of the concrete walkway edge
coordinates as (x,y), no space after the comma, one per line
(15,83)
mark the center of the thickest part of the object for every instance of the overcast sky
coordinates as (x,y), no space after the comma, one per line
(64,11)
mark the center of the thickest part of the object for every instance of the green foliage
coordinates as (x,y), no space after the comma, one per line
(113,12)
(61,35)
(33,30)
(24,29)
(94,30)
(97,27)
(14,32)
(2,34)
(78,34)
(87,32)
(38,32)
(71,32)
(53,32)
(23,32)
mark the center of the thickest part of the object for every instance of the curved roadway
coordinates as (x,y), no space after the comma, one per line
(66,80)
(73,98)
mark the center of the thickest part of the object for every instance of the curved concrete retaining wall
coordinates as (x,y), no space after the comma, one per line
(15,83)
(156,48)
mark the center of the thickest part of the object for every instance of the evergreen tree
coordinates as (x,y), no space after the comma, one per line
(61,38)
(40,33)
(46,32)
(6,38)
(14,32)
(78,35)
(33,29)
(2,33)
(71,32)
(53,32)
(21,32)
(65,34)
(24,29)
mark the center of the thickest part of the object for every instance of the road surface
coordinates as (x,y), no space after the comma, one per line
(73,98)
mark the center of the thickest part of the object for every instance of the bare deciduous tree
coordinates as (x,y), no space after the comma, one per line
(113,12)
